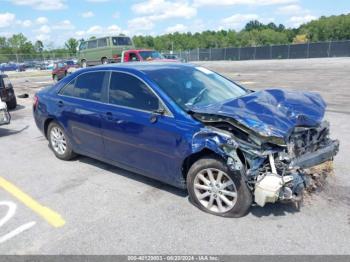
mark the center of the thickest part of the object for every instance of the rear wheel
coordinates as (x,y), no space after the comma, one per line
(12,104)
(55,78)
(215,189)
(59,142)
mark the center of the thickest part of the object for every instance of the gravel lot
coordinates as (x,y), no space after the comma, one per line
(108,210)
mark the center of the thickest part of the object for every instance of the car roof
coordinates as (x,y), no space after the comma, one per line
(145,66)
(138,67)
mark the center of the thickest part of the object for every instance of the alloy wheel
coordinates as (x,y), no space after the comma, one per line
(215,190)
(58,140)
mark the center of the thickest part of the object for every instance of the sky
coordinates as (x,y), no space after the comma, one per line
(54,21)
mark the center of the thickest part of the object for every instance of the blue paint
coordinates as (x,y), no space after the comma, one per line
(272,112)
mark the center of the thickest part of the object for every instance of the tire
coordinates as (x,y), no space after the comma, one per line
(104,61)
(83,64)
(12,104)
(59,142)
(223,191)
(55,78)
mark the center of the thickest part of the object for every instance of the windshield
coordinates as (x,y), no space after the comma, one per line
(7,82)
(121,41)
(150,55)
(195,86)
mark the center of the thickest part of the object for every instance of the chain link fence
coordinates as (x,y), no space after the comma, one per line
(291,51)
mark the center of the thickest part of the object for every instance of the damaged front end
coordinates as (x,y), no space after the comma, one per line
(274,167)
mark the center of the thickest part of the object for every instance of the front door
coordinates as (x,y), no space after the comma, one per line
(136,132)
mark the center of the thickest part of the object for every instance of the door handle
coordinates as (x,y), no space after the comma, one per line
(60,103)
(109,116)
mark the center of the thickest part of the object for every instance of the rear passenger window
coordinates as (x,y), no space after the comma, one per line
(86,86)
(92,44)
(129,91)
(102,42)
(68,90)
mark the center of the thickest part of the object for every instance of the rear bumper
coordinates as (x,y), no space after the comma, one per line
(318,157)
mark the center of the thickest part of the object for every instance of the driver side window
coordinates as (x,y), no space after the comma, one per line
(129,91)
(133,57)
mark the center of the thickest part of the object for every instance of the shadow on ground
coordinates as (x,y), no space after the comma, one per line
(8,132)
(18,108)
(131,175)
(275,209)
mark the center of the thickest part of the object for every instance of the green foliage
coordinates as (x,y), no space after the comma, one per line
(20,44)
(39,46)
(328,28)
(254,33)
(72,45)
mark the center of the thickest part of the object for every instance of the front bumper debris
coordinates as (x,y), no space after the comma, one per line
(315,158)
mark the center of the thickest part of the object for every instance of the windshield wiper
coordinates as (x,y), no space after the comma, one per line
(198,97)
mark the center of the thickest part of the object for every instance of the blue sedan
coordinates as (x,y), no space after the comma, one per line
(191,128)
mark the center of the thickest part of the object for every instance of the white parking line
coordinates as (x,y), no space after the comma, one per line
(12,207)
(17,231)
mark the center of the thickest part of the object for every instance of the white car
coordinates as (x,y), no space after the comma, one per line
(4,114)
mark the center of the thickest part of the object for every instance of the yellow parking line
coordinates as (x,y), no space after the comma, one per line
(52,217)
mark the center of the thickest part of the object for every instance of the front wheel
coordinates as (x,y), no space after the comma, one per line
(215,189)
(12,104)
(59,142)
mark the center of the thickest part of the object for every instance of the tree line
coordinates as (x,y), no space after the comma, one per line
(19,48)
(254,33)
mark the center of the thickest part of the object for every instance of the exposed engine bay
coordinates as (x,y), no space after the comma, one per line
(274,168)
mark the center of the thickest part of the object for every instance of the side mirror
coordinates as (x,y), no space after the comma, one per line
(159,111)
(155,115)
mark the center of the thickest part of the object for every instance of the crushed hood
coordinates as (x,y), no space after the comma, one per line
(271,112)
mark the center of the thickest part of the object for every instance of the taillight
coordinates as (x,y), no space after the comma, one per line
(35,102)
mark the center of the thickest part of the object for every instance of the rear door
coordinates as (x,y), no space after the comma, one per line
(134,134)
(91,52)
(81,106)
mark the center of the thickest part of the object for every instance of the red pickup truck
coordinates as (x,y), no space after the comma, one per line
(140,55)
(62,68)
